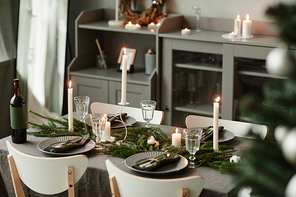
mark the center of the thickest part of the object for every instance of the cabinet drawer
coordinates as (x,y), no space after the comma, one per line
(96,89)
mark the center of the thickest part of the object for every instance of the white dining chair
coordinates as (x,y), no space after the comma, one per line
(124,184)
(240,129)
(131,111)
(45,175)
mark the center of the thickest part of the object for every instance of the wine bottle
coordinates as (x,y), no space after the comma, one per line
(18,115)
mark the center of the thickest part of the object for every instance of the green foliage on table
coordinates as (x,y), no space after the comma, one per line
(136,142)
(56,127)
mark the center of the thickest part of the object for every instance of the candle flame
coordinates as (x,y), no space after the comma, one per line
(137,24)
(129,22)
(237,16)
(247,17)
(186,29)
(152,23)
(158,24)
(124,50)
(217,99)
(70,84)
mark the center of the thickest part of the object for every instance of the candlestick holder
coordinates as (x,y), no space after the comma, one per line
(123,103)
(198,14)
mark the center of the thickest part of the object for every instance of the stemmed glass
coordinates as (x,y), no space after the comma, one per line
(192,138)
(98,121)
(191,87)
(198,13)
(148,108)
(81,104)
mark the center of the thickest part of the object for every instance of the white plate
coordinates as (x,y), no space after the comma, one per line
(166,168)
(116,124)
(224,136)
(82,149)
(236,38)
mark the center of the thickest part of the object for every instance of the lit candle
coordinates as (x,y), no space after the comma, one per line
(70,107)
(129,25)
(176,139)
(247,27)
(237,25)
(151,25)
(124,76)
(215,123)
(185,31)
(106,134)
(158,24)
(232,35)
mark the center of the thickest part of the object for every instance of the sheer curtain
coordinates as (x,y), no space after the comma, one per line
(41,55)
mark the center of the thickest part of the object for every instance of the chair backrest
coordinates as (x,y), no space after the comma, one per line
(133,186)
(240,129)
(131,111)
(45,175)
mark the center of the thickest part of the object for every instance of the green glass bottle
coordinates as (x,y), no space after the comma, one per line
(18,116)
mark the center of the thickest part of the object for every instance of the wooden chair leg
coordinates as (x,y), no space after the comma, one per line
(114,187)
(71,182)
(185,192)
(17,185)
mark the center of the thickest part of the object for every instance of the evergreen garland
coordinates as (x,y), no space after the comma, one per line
(136,142)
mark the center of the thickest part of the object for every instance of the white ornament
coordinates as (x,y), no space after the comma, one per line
(151,140)
(245,192)
(278,62)
(235,159)
(291,187)
(289,147)
(280,133)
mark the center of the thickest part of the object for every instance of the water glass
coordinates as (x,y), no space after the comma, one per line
(98,121)
(192,138)
(81,104)
(148,108)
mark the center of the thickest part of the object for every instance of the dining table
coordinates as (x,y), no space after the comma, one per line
(95,181)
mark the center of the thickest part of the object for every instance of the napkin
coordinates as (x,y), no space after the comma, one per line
(114,117)
(152,163)
(207,132)
(67,145)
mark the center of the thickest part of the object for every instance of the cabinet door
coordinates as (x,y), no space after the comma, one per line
(96,89)
(134,93)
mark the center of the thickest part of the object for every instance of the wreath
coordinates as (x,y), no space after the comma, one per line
(153,14)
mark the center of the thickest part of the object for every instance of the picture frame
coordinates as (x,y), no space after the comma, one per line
(131,55)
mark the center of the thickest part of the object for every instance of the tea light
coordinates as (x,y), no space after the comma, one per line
(129,25)
(185,31)
(232,35)
(176,139)
(247,27)
(151,25)
(237,25)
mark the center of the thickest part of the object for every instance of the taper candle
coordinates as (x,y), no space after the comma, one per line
(215,124)
(70,107)
(124,76)
(176,139)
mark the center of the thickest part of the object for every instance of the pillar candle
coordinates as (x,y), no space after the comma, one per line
(176,139)
(124,76)
(237,25)
(247,27)
(70,107)
(215,124)
(106,134)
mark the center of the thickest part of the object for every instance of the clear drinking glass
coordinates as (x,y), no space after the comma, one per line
(192,138)
(81,104)
(191,87)
(98,121)
(198,13)
(148,108)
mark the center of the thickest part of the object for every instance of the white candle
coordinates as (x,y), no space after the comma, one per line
(116,9)
(151,25)
(106,134)
(124,76)
(237,25)
(215,123)
(232,35)
(247,27)
(176,139)
(129,25)
(70,107)
(185,31)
